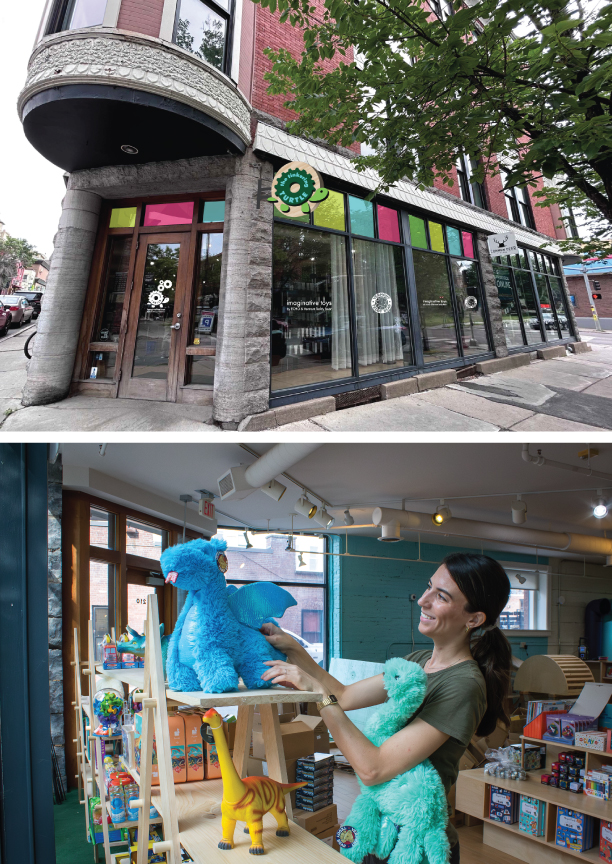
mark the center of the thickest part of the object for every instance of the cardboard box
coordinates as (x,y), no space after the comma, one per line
(194,747)
(318,821)
(319,729)
(298,740)
(329,836)
(176,725)
(286,713)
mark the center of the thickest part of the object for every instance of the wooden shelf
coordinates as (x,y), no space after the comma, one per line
(198,805)
(563,746)
(134,823)
(590,854)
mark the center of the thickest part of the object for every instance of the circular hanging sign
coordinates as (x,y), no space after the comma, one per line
(297,189)
(381,303)
(346,836)
(470,302)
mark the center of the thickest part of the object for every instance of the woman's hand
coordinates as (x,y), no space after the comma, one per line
(282,672)
(278,638)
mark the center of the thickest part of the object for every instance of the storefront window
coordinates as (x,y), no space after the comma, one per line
(556,291)
(509,309)
(383,334)
(418,234)
(108,322)
(362,216)
(101,528)
(388,224)
(201,367)
(310,339)
(528,306)
(100,575)
(153,335)
(435,307)
(202,29)
(436,236)
(213,211)
(102,365)
(469,306)
(330,213)
(122,217)
(144,540)
(75,14)
(549,316)
(180,213)
(137,605)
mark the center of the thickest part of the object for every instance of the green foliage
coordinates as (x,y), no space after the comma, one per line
(526,82)
(12,251)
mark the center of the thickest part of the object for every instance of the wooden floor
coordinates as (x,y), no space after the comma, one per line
(473,850)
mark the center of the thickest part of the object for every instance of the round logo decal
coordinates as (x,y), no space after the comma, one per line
(297,189)
(222,562)
(346,836)
(381,303)
(471,302)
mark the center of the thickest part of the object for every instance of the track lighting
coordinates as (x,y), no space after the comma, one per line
(289,547)
(301,559)
(305,507)
(274,489)
(601,508)
(519,511)
(348,519)
(323,518)
(249,545)
(390,533)
(442,514)
(520,579)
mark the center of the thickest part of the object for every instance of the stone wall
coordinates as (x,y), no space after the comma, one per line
(54,588)
(492,297)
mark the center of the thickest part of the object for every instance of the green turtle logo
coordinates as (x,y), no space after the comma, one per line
(297,189)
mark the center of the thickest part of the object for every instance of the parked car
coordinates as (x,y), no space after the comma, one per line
(549,322)
(21,310)
(315,649)
(6,319)
(35,298)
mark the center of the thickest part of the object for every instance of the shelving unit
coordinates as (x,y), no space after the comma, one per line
(474,790)
(598,668)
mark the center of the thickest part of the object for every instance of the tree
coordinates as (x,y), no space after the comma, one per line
(14,250)
(522,83)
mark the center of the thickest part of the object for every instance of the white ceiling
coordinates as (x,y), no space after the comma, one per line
(368,475)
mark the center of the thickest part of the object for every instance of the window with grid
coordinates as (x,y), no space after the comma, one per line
(75,15)
(205,30)
(469,189)
(518,205)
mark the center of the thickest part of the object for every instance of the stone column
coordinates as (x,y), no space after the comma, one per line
(50,369)
(569,304)
(242,365)
(492,297)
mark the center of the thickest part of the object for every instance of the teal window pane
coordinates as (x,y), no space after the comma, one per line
(453,240)
(214,211)
(418,235)
(362,216)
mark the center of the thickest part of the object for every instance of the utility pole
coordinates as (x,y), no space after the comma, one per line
(591,298)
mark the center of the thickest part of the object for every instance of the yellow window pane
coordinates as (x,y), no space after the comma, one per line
(122,217)
(330,213)
(436,236)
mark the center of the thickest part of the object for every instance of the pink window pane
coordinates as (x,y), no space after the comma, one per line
(169,214)
(468,244)
(388,226)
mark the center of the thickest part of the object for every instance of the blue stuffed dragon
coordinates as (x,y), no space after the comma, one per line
(217,638)
(404,818)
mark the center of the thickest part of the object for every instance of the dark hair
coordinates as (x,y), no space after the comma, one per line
(486,587)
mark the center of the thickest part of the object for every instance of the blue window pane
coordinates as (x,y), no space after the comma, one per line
(454,241)
(214,211)
(362,216)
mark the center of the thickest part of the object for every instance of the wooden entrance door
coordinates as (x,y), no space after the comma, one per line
(158,318)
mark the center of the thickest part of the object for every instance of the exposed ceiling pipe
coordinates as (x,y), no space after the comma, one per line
(275,461)
(583,544)
(552,463)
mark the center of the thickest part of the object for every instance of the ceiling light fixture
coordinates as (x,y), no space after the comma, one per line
(390,533)
(348,519)
(601,508)
(442,514)
(520,579)
(519,511)
(301,559)
(129,149)
(274,489)
(305,507)
(249,545)
(323,518)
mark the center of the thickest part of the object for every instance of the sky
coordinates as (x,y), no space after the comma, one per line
(31,189)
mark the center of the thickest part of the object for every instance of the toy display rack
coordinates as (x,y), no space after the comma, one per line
(191,811)
(474,790)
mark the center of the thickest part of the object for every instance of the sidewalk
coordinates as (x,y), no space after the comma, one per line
(565,394)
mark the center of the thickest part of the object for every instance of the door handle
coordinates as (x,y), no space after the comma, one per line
(175,326)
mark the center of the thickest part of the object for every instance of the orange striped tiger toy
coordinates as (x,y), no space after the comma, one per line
(248,799)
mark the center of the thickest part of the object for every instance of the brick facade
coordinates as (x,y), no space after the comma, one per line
(141,16)
(582,305)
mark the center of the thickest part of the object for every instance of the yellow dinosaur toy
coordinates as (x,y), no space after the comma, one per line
(247,800)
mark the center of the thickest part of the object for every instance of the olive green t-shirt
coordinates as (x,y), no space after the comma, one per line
(455,702)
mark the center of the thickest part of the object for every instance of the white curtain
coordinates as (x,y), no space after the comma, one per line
(378,334)
(341,333)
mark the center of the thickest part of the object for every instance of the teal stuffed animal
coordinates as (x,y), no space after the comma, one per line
(404,818)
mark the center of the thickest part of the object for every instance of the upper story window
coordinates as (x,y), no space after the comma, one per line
(203,29)
(518,205)
(569,221)
(469,189)
(75,14)
(442,8)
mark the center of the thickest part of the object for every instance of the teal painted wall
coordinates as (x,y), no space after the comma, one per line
(370,609)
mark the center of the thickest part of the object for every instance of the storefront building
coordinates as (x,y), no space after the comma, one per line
(175,279)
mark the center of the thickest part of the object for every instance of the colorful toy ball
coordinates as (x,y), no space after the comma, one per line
(108,708)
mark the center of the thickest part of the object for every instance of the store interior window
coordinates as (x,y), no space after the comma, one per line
(528,306)
(439,338)
(201,367)
(144,540)
(202,28)
(101,528)
(468,298)
(137,604)
(100,575)
(511,319)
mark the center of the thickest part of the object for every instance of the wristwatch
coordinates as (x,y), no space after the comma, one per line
(329,700)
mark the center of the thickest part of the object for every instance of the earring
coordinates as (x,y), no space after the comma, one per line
(467,628)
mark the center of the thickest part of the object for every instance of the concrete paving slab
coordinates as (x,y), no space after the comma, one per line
(87,414)
(580,367)
(551,374)
(601,388)
(12,361)
(546,423)
(303,426)
(507,389)
(474,406)
(406,414)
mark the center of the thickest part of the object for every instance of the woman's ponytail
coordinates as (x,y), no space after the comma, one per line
(486,587)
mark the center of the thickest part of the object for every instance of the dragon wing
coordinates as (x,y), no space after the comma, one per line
(255,603)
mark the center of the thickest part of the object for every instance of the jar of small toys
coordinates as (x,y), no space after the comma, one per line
(108,708)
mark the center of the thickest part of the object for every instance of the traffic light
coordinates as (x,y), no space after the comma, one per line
(596,285)
(596,296)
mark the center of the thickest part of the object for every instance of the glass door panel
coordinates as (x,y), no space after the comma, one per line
(435,307)
(528,306)
(511,320)
(383,333)
(558,301)
(547,306)
(203,335)
(469,306)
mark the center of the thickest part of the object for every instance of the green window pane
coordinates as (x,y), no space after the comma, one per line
(453,240)
(362,216)
(418,235)
(122,217)
(436,236)
(305,218)
(214,211)
(330,213)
